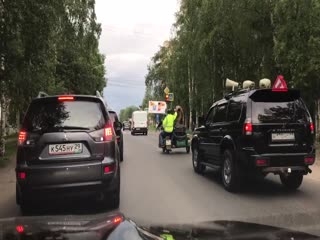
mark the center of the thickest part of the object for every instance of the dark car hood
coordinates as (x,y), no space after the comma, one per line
(115,226)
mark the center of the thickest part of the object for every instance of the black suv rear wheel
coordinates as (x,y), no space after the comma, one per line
(292,181)
(230,172)
(196,161)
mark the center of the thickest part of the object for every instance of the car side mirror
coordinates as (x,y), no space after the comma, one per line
(201,121)
(117,125)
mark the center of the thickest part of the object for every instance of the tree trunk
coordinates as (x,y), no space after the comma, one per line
(190,95)
(197,115)
(2,81)
(2,128)
(202,107)
(18,120)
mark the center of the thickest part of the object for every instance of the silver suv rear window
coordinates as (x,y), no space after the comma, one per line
(51,114)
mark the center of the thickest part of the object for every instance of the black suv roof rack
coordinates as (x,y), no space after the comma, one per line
(234,93)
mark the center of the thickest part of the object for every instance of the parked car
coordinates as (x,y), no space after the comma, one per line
(118,129)
(67,149)
(256,132)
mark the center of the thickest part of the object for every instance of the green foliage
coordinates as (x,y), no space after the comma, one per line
(126,113)
(297,44)
(49,46)
(239,40)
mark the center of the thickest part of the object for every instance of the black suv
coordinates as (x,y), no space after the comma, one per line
(118,129)
(256,132)
(67,148)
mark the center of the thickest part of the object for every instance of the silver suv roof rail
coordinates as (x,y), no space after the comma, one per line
(42,94)
(98,94)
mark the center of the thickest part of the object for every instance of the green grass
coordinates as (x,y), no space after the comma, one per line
(11,147)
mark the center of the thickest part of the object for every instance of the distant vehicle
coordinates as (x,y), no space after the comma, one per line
(118,129)
(67,148)
(126,125)
(256,132)
(139,122)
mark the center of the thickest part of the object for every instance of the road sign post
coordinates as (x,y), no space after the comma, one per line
(166,90)
(171,97)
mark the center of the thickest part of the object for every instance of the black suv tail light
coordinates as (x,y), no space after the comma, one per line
(247,127)
(311,126)
(309,160)
(22,137)
(21,175)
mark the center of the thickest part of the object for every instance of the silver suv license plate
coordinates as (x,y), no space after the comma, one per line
(68,148)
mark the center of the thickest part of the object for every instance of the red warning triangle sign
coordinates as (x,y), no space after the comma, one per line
(280,84)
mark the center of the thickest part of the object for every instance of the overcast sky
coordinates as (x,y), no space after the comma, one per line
(132,31)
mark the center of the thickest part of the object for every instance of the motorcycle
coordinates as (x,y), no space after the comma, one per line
(178,139)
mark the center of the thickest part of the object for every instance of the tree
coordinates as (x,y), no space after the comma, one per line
(297,45)
(126,113)
(240,40)
(49,46)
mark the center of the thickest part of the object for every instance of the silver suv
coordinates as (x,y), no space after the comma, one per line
(67,147)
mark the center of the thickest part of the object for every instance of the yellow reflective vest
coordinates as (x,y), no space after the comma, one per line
(168,122)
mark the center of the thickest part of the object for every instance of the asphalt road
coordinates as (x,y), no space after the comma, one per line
(162,188)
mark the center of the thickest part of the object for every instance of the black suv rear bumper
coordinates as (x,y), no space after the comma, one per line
(285,170)
(277,163)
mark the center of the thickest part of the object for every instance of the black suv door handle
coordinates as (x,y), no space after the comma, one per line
(216,130)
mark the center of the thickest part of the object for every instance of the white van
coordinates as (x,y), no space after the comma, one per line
(139,122)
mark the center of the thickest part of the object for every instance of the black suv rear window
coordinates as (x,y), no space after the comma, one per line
(278,107)
(279,112)
(50,114)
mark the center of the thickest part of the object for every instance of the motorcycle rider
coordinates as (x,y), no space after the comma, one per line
(168,125)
